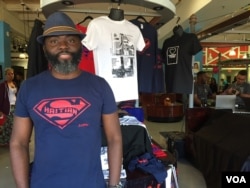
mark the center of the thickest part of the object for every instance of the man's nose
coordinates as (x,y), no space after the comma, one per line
(63,44)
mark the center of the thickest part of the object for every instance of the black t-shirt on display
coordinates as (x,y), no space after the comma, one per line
(177,52)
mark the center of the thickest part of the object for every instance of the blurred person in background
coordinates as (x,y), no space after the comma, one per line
(8,90)
(202,91)
(213,85)
(240,88)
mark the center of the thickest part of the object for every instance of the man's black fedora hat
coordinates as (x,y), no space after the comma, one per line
(59,23)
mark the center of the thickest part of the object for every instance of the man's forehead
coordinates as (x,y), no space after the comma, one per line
(240,75)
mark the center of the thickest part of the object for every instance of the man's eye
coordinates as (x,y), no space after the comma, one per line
(53,41)
(71,41)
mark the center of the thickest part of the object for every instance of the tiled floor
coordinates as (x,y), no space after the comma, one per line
(188,176)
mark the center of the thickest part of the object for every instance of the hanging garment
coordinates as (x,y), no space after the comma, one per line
(37,61)
(114,44)
(87,60)
(147,59)
(177,52)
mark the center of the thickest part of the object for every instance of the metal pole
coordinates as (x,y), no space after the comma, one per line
(192,22)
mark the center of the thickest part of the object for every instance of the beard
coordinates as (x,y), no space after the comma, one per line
(64,66)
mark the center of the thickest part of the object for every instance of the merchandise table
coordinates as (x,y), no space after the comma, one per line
(135,143)
(222,144)
(138,178)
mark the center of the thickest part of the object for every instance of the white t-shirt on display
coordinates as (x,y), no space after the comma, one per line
(114,45)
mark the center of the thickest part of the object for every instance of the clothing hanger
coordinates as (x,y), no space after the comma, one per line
(178,19)
(178,30)
(116,14)
(141,18)
(85,19)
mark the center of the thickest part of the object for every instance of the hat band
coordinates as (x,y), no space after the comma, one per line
(60,28)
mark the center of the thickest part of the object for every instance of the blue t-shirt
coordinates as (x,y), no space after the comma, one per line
(67,120)
(146,59)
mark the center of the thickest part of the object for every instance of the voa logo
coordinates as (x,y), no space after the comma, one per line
(236,179)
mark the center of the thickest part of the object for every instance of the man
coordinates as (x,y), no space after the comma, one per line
(67,108)
(202,90)
(240,88)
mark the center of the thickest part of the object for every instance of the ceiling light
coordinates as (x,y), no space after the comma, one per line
(160,24)
(244,56)
(232,52)
(210,57)
(22,55)
(67,2)
(158,8)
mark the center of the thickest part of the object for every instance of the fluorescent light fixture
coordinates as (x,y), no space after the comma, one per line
(23,56)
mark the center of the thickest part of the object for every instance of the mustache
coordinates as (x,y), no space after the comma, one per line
(64,52)
(54,57)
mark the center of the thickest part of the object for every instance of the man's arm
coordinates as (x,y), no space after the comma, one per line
(211,95)
(19,150)
(112,130)
(197,101)
(246,95)
(229,91)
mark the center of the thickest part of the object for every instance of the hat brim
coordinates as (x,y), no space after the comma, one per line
(40,38)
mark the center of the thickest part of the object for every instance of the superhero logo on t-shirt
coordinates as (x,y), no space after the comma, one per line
(172,55)
(61,111)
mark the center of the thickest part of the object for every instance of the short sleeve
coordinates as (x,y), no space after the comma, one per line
(89,40)
(196,45)
(21,107)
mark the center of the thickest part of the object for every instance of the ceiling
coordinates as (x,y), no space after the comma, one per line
(220,21)
(224,21)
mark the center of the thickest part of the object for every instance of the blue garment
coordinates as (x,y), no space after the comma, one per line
(67,122)
(246,165)
(150,164)
(147,59)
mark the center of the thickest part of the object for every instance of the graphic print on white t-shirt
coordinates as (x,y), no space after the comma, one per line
(124,52)
(172,55)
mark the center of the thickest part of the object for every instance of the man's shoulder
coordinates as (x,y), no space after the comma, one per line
(39,75)
(36,78)
(246,85)
(199,85)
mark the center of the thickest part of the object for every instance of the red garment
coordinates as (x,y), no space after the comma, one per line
(2,120)
(87,60)
(158,152)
